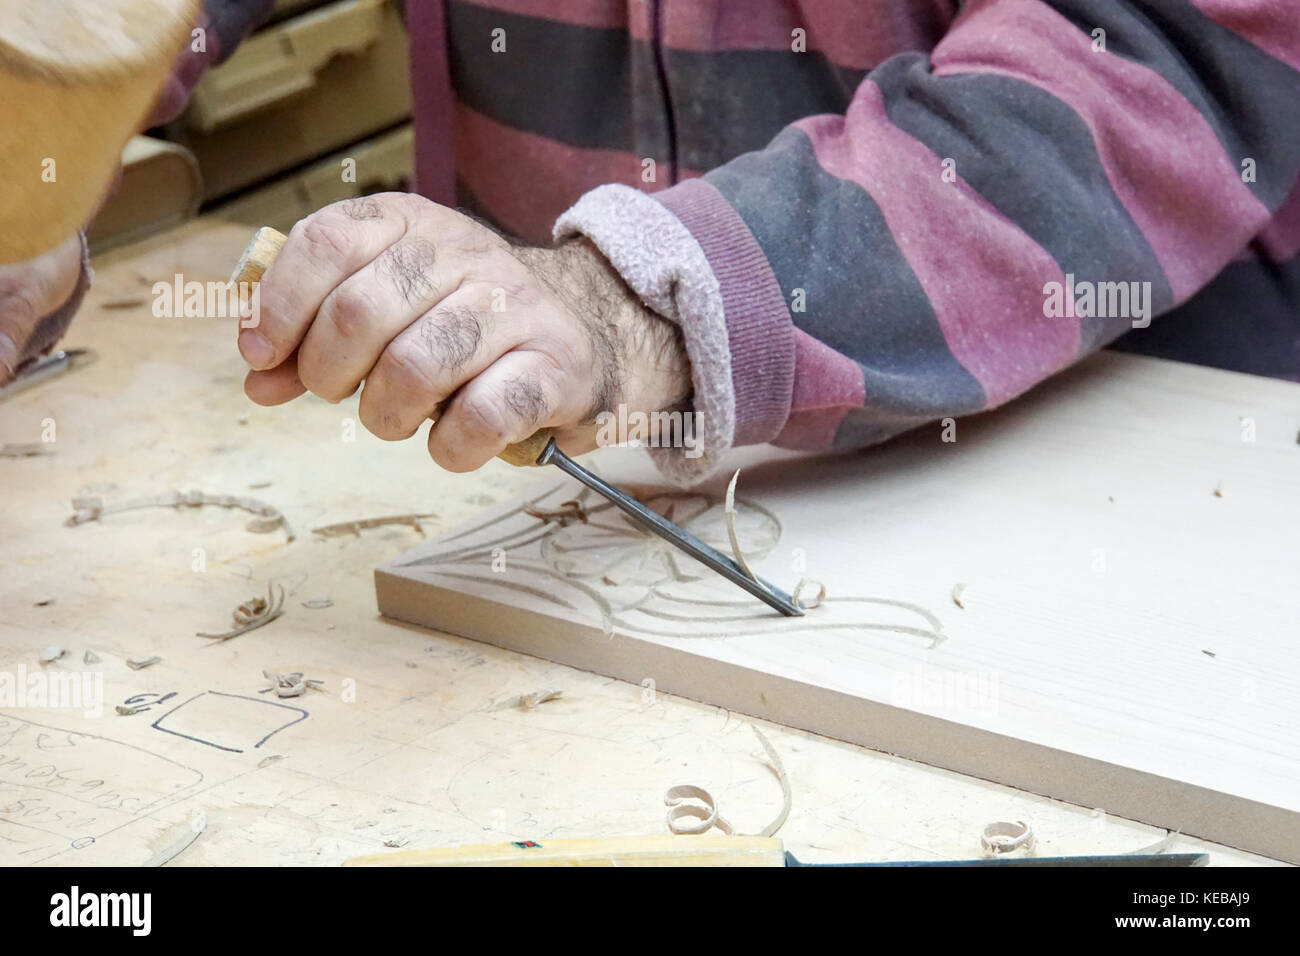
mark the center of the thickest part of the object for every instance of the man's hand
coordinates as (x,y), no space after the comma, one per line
(31,290)
(427,305)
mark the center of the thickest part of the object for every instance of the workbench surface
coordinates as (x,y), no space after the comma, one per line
(413,740)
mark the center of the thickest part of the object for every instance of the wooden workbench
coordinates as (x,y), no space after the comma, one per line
(409,742)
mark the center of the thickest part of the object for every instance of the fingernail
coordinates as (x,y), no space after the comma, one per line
(257,351)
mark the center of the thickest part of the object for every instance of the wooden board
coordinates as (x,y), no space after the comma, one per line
(1128,538)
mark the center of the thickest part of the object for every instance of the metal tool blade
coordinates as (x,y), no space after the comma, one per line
(657,524)
(1121,860)
(52,365)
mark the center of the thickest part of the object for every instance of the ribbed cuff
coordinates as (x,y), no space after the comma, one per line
(759,331)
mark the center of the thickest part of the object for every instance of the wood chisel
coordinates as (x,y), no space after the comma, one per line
(51,366)
(710,851)
(540,449)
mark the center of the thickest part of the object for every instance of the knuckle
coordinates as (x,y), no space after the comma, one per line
(452,335)
(325,236)
(406,373)
(481,417)
(361,208)
(349,309)
(408,265)
(558,352)
(526,399)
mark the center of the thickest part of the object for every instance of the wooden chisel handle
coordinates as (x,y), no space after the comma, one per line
(257,258)
(624,851)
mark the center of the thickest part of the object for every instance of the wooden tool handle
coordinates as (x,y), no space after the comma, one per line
(628,851)
(257,258)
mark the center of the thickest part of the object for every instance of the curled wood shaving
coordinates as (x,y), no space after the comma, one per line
(568,511)
(1003,837)
(252,614)
(186,834)
(290,685)
(251,610)
(529,701)
(52,654)
(125,710)
(730,509)
(140,663)
(798,590)
(686,817)
(90,657)
(356,527)
(689,818)
(957,591)
(318,603)
(266,517)
(787,793)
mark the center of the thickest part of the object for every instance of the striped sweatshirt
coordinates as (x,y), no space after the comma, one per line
(867,215)
(859,210)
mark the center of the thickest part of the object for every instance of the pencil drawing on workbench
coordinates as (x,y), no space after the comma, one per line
(443,433)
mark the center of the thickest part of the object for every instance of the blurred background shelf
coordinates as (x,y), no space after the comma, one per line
(266,134)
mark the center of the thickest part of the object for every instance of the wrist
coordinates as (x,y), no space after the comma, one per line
(653,370)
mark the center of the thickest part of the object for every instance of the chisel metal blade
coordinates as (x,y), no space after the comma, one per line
(657,524)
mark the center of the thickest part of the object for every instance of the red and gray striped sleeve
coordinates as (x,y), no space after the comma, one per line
(876,270)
